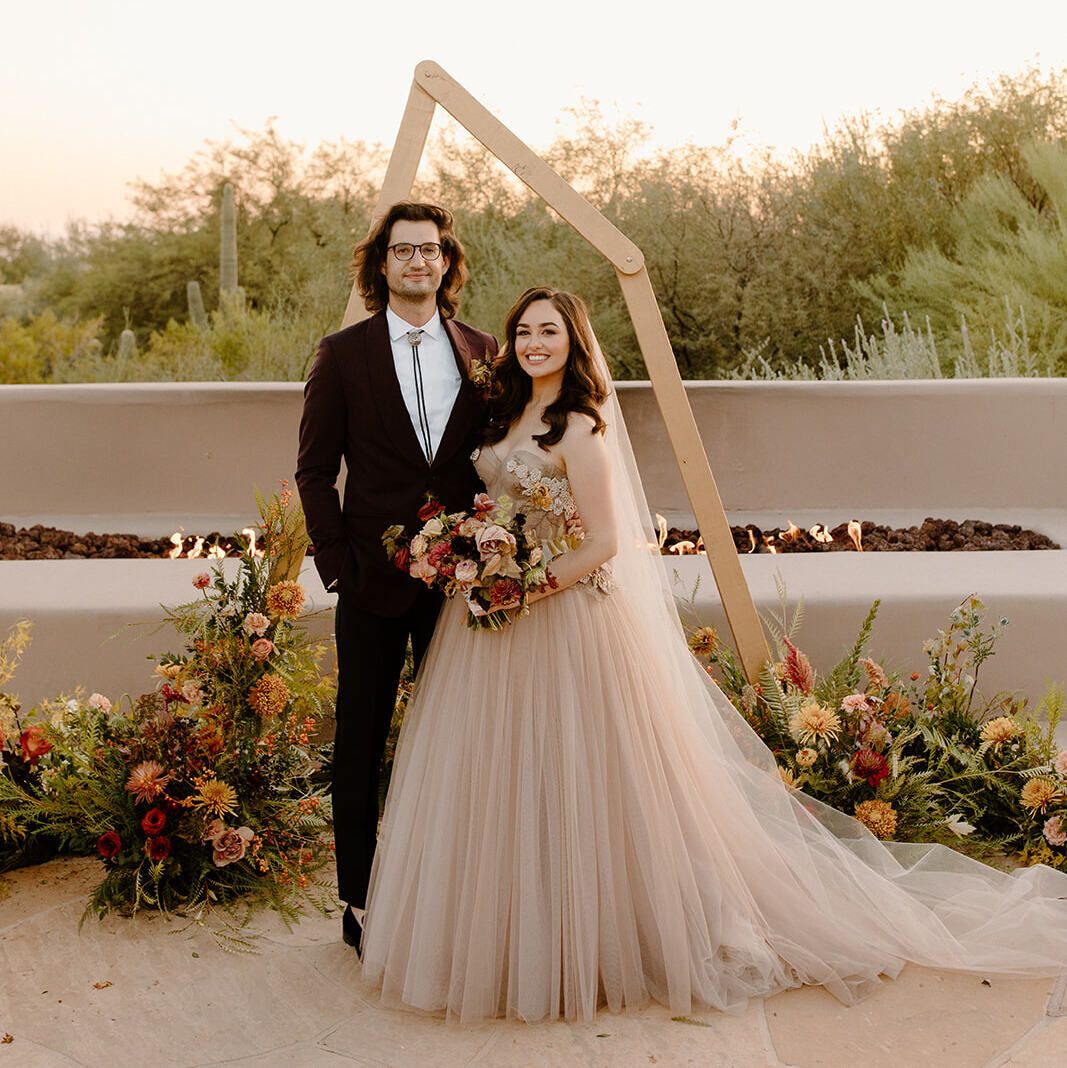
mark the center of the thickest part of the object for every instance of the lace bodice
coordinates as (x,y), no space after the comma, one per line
(538,486)
(540,489)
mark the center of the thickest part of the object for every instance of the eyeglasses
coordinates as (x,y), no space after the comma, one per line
(430,251)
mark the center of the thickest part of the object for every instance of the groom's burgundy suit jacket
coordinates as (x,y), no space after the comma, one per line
(353,407)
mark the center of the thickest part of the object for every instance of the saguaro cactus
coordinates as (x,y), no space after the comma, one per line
(197,315)
(127,350)
(228,245)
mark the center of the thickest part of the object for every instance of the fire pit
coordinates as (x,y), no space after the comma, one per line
(933,535)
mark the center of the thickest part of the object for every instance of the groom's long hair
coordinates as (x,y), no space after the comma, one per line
(369,257)
(583,390)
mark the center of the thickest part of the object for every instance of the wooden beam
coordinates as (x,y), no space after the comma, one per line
(400,174)
(525,164)
(696,472)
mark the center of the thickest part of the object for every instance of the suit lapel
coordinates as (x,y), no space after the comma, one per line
(458,425)
(387,394)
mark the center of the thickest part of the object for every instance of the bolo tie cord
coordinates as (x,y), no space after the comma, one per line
(420,400)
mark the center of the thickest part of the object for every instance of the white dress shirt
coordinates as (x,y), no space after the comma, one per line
(440,375)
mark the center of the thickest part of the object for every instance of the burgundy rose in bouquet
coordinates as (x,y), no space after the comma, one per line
(484,556)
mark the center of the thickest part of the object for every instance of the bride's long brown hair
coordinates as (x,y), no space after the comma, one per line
(583,390)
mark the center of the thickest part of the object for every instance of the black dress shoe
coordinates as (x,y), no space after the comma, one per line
(351,929)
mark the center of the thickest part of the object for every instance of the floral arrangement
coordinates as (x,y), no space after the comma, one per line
(916,758)
(207,789)
(484,556)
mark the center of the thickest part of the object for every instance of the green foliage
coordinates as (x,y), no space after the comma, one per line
(1006,249)
(756,262)
(45,349)
(938,756)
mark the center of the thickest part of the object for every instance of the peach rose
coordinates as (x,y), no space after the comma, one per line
(262,648)
(99,702)
(230,845)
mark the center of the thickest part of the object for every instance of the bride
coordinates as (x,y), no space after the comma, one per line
(578,817)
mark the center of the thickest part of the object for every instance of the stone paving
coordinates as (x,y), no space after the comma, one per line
(154,992)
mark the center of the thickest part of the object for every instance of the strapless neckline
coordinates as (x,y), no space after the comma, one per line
(540,460)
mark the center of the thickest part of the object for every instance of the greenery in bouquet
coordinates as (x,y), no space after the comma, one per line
(925,757)
(486,556)
(208,789)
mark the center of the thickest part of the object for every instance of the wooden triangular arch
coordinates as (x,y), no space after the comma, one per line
(433,86)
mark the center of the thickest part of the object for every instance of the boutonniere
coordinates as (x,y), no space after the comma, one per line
(480,372)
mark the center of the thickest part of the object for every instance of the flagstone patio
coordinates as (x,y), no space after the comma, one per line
(152,991)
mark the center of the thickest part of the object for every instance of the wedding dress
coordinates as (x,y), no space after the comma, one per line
(579,818)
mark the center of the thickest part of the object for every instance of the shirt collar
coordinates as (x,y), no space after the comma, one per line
(398,327)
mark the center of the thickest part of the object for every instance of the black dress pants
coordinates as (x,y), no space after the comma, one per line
(370,659)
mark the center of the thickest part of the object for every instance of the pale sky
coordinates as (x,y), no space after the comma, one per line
(97,94)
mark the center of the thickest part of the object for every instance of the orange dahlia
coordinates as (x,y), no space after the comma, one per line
(285,599)
(269,696)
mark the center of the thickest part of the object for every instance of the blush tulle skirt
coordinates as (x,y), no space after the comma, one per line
(578,822)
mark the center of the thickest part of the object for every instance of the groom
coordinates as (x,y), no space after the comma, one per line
(393,396)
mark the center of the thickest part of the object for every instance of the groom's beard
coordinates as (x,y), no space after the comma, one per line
(414,287)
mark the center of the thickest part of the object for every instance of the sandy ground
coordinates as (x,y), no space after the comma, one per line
(154,992)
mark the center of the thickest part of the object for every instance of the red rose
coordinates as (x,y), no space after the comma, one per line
(431,508)
(402,558)
(157,848)
(155,819)
(108,845)
(34,744)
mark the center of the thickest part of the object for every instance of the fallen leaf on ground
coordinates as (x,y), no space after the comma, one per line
(8,1038)
(689,1020)
(102,984)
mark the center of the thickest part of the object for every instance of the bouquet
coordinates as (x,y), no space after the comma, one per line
(485,556)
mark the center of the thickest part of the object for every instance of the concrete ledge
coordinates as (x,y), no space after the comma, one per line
(96,622)
(156,454)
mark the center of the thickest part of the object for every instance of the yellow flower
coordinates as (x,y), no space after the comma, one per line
(216,798)
(1038,794)
(787,776)
(814,722)
(147,781)
(285,599)
(1000,730)
(541,496)
(806,757)
(269,696)
(879,817)
(704,641)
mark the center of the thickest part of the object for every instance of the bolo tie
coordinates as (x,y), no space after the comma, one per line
(414,337)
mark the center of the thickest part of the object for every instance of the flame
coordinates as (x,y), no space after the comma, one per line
(683,548)
(661,524)
(197,550)
(751,539)
(216,552)
(855,532)
(768,540)
(250,534)
(791,534)
(177,541)
(820,533)
(700,545)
